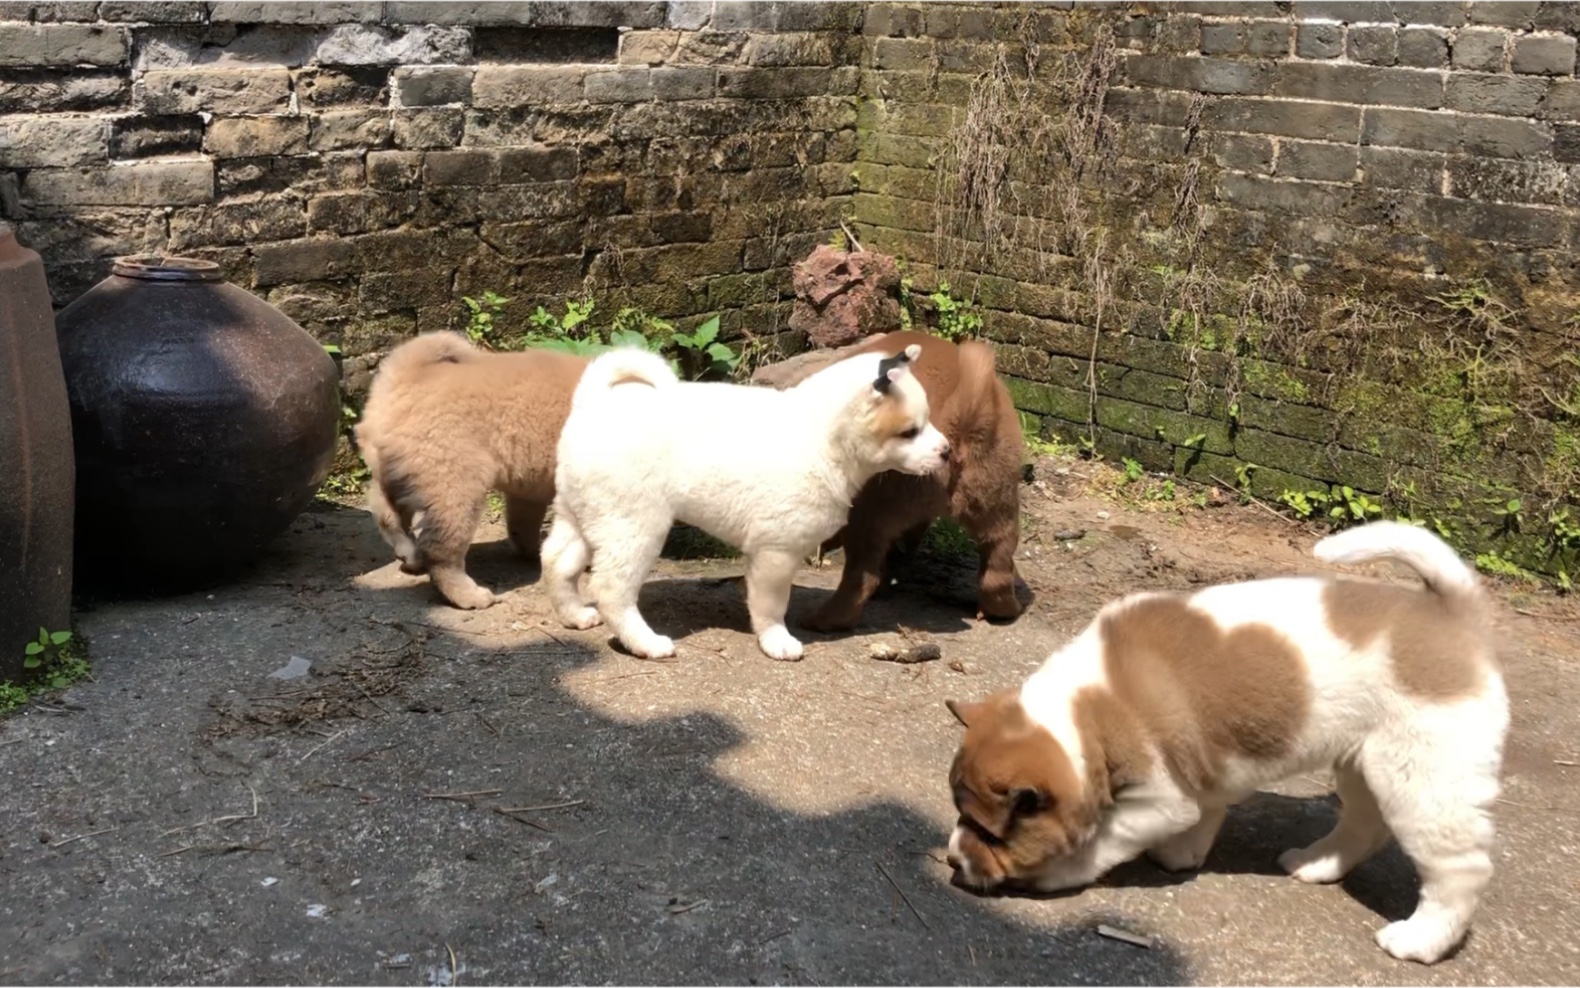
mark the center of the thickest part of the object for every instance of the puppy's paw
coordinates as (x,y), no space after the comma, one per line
(1421,940)
(1177,856)
(473,598)
(1314,867)
(779,644)
(582,618)
(656,647)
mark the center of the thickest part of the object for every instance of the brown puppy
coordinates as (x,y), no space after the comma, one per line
(444,424)
(980,488)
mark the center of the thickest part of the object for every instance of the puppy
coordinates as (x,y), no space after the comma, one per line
(771,472)
(1138,735)
(444,424)
(980,488)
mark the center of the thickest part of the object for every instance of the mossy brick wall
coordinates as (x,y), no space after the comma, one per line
(362,165)
(1376,204)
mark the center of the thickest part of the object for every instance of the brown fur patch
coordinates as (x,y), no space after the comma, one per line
(1201,694)
(980,488)
(446,422)
(1017,792)
(890,418)
(1439,651)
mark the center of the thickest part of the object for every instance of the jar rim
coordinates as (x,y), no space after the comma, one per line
(165,267)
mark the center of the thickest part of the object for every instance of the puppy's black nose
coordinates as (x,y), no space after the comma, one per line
(954,860)
(943,451)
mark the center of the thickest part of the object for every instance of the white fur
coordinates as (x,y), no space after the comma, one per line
(771,472)
(1422,771)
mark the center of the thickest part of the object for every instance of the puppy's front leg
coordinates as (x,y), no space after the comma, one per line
(769,574)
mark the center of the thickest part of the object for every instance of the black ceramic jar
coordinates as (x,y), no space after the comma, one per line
(204,420)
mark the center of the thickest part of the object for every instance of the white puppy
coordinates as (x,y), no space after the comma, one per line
(1138,735)
(771,472)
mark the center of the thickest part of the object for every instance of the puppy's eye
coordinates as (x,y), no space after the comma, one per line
(910,433)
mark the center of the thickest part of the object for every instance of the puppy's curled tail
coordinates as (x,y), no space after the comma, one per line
(1439,565)
(444,347)
(626,365)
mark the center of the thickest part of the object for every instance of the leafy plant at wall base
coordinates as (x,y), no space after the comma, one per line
(482,316)
(907,304)
(1133,470)
(957,318)
(55,660)
(704,344)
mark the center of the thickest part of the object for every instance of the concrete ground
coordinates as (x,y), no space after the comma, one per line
(187,818)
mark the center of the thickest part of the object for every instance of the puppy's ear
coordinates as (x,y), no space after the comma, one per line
(891,369)
(964,712)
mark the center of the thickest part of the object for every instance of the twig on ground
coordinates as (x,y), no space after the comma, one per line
(486,724)
(12,741)
(316,748)
(464,797)
(180,850)
(772,937)
(373,751)
(1539,616)
(371,698)
(92,833)
(686,907)
(1566,763)
(624,675)
(1114,933)
(545,806)
(220,819)
(521,819)
(455,974)
(1257,501)
(905,898)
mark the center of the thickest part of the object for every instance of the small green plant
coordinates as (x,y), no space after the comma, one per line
(1508,514)
(703,350)
(1565,530)
(1350,505)
(1133,470)
(1242,475)
(1303,503)
(53,661)
(957,318)
(482,324)
(1494,563)
(907,304)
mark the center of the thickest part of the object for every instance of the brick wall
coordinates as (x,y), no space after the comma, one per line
(364,164)
(1289,245)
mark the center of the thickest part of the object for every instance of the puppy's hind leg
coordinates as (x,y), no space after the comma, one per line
(565,558)
(1358,835)
(445,533)
(769,575)
(624,551)
(524,522)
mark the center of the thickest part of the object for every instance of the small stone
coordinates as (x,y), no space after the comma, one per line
(317,911)
(269,881)
(1102,515)
(296,668)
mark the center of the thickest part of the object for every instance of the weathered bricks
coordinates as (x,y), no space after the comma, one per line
(41,142)
(251,137)
(1552,54)
(41,45)
(433,85)
(214,90)
(162,183)
(518,85)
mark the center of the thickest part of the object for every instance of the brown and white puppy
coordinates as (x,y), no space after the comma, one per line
(1137,736)
(445,423)
(980,488)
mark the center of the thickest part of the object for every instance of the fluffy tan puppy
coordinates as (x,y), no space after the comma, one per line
(445,423)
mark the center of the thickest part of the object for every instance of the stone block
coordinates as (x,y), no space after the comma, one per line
(1475,92)
(1286,118)
(649,14)
(62,90)
(371,44)
(49,11)
(295,12)
(1502,180)
(381,291)
(1543,54)
(1204,75)
(1480,49)
(325,86)
(1318,161)
(624,85)
(143,183)
(1373,44)
(264,89)
(1319,40)
(296,261)
(53,142)
(1243,152)
(1504,137)
(1502,223)
(348,213)
(394,169)
(527,85)
(536,165)
(773,50)
(1441,13)
(159,12)
(253,137)
(1362,84)
(41,45)
(1507,13)
(681,83)
(469,167)
(1423,47)
(433,86)
(337,130)
(648,47)
(903,54)
(237,223)
(429,128)
(147,137)
(1561,102)
(1396,168)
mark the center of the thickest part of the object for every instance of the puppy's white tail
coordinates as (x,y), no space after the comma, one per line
(1439,565)
(626,365)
